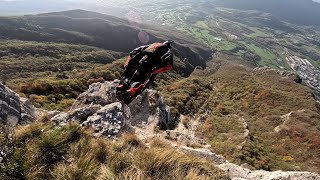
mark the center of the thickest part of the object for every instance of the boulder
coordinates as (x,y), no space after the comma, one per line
(61,118)
(204,153)
(99,109)
(28,111)
(98,93)
(109,121)
(81,114)
(51,114)
(13,109)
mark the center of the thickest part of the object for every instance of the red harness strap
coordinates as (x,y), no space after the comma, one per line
(133,91)
(161,70)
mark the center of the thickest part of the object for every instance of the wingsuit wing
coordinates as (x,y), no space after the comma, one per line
(132,61)
(141,68)
(166,63)
(162,58)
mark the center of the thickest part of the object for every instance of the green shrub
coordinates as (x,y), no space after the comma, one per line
(51,148)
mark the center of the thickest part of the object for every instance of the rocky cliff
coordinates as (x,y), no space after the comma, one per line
(99,108)
(13,109)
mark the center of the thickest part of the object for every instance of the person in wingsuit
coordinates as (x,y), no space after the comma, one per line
(141,68)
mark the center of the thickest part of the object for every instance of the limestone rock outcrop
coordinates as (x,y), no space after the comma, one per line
(99,108)
(13,109)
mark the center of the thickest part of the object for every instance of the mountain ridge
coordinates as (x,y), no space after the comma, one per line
(99,31)
(256,117)
(309,9)
(70,53)
(296,11)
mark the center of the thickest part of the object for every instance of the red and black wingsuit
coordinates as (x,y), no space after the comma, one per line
(141,68)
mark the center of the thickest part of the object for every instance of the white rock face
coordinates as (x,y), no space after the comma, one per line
(60,118)
(237,172)
(13,109)
(108,121)
(217,159)
(99,108)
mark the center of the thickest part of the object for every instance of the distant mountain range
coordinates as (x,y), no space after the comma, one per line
(20,7)
(82,27)
(303,12)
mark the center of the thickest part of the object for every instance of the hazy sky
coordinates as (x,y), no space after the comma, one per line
(19,7)
(85,0)
(36,6)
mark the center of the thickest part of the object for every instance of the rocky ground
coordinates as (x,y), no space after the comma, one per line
(99,109)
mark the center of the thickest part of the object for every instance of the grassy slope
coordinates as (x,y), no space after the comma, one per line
(235,92)
(44,151)
(57,57)
(53,74)
(21,58)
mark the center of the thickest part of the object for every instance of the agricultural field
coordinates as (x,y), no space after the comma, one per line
(250,35)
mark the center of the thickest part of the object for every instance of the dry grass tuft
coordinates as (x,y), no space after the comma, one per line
(69,153)
(84,167)
(44,118)
(158,143)
(164,162)
(73,131)
(120,162)
(51,148)
(134,173)
(36,172)
(24,133)
(131,140)
(106,174)
(101,150)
